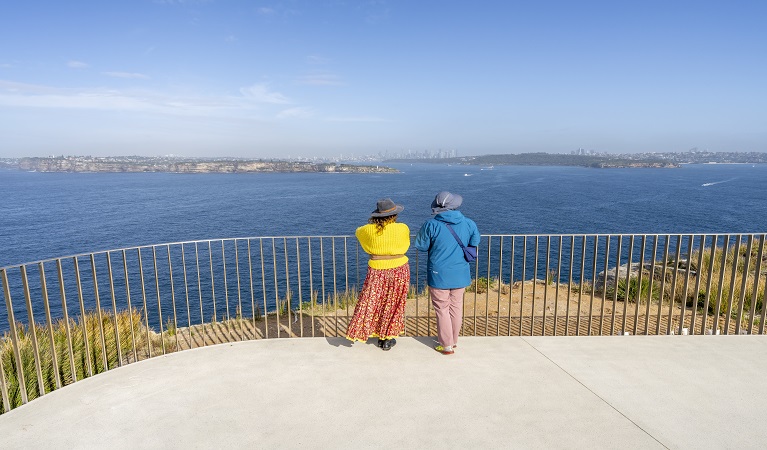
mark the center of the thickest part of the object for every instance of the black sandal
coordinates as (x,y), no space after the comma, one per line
(388,344)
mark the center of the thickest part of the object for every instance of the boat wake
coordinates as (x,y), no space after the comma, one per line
(717,182)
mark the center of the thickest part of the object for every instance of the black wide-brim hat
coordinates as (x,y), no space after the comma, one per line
(386,207)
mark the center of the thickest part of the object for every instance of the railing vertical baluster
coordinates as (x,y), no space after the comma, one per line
(712,258)
(682,316)
(546,285)
(346,280)
(535,283)
(593,282)
(276,287)
(672,294)
(226,292)
(664,268)
(83,319)
(199,293)
(4,388)
(417,295)
(335,282)
(300,296)
(239,314)
(64,310)
(757,276)
(580,287)
(159,303)
(311,284)
(522,283)
(143,297)
(130,307)
(500,285)
(556,291)
(252,291)
(615,284)
(214,322)
(32,331)
(698,277)
(626,299)
(22,384)
(186,297)
(173,298)
(569,285)
(718,305)
(604,286)
(288,293)
(652,282)
(733,278)
(49,320)
(638,301)
(755,291)
(511,280)
(99,314)
(263,287)
(487,289)
(322,285)
(118,347)
(746,264)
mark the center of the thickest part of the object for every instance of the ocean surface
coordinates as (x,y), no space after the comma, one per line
(47,215)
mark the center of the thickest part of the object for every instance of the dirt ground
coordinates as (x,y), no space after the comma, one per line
(526,309)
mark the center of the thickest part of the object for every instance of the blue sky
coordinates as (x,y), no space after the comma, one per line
(326,77)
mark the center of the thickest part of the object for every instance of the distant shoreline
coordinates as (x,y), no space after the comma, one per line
(169,165)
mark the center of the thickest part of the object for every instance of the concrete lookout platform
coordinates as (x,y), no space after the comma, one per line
(494,392)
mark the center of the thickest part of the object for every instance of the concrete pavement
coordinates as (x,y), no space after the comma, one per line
(494,392)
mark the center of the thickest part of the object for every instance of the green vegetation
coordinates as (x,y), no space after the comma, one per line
(132,335)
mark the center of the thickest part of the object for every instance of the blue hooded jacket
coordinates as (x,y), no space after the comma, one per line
(446,267)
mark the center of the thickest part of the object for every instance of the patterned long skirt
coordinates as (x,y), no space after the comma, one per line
(380,307)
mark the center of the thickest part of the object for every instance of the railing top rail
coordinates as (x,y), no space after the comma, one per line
(339,236)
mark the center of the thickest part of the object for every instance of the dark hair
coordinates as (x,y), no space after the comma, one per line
(381,222)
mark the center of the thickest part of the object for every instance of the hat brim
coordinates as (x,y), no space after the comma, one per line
(397,209)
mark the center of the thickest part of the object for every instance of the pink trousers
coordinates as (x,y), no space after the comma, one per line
(448,309)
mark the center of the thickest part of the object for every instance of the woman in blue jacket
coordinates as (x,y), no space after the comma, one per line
(448,273)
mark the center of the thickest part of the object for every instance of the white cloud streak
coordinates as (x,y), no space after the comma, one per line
(139,76)
(320,79)
(295,113)
(77,64)
(260,93)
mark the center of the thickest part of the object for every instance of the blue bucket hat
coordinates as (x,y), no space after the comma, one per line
(445,201)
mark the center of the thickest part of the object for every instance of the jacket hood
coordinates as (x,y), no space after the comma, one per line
(451,217)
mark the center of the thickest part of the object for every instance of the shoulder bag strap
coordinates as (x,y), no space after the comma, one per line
(454,235)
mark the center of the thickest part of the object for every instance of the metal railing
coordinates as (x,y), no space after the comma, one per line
(106,309)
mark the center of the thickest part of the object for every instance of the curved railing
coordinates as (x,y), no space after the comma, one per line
(68,318)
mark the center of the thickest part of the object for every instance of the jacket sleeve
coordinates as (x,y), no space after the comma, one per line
(423,238)
(475,237)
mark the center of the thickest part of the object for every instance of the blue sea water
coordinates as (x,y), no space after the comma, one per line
(46,215)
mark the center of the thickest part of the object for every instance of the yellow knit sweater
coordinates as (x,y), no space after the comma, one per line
(395,240)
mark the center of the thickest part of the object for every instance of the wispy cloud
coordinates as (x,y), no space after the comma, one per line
(317,59)
(126,75)
(265,11)
(356,119)
(295,113)
(231,38)
(261,93)
(320,79)
(77,64)
(6,65)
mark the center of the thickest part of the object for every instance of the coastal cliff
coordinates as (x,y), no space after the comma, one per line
(175,165)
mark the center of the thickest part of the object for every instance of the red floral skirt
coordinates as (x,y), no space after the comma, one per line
(380,310)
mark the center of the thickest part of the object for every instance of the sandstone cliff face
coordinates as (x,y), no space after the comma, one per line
(137,164)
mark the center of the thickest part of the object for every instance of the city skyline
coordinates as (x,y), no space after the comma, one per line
(206,78)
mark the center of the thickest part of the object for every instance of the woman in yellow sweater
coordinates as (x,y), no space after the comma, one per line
(380,307)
